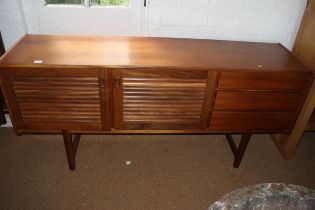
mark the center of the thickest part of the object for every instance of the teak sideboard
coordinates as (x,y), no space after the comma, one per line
(87,84)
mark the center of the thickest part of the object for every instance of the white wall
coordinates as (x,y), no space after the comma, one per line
(12,25)
(78,19)
(247,20)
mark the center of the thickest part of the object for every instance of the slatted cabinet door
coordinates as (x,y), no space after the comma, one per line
(163,100)
(56,99)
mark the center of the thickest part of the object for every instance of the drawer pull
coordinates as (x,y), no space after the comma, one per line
(102,83)
(117,83)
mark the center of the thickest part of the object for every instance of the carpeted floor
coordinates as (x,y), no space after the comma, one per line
(166,172)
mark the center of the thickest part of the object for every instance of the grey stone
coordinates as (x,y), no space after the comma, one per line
(268,196)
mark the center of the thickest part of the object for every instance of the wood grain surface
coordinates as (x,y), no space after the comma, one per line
(130,84)
(150,52)
(160,100)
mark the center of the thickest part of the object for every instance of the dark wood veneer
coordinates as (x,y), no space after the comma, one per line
(257,101)
(2,116)
(264,80)
(252,121)
(151,85)
(171,99)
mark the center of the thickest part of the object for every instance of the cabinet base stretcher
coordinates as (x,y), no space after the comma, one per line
(71,142)
(2,116)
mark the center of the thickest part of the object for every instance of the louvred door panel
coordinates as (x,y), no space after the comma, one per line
(58,100)
(148,100)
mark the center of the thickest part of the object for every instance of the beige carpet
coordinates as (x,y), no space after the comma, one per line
(166,172)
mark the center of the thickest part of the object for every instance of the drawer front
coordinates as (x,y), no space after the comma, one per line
(251,121)
(264,81)
(251,101)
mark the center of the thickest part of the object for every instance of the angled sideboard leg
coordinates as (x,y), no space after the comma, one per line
(240,150)
(71,146)
(2,116)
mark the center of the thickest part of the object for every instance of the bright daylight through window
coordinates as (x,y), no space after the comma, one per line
(90,2)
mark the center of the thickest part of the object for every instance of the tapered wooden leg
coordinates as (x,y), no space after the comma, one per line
(71,147)
(240,150)
(2,117)
(76,142)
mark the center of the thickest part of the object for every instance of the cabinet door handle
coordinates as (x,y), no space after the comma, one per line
(102,82)
(117,83)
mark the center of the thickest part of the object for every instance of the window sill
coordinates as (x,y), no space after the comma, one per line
(109,7)
(63,6)
(82,6)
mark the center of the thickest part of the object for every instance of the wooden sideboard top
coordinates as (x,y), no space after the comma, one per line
(144,52)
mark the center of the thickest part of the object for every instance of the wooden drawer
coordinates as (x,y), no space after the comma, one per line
(250,101)
(251,121)
(264,81)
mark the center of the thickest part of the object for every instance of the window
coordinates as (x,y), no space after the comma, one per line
(90,2)
(110,2)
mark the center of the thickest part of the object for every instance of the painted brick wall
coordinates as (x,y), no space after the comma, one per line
(12,25)
(77,19)
(244,20)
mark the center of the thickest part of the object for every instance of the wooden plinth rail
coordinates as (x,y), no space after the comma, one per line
(71,142)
